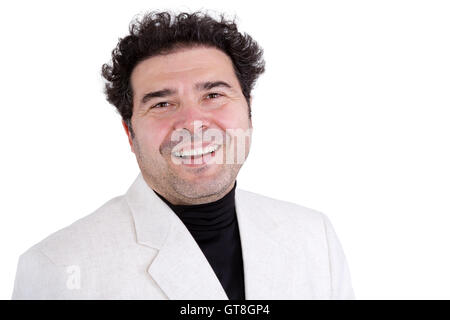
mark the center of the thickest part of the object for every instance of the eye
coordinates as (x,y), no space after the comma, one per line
(160,105)
(213,95)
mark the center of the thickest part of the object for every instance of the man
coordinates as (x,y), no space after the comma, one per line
(182,85)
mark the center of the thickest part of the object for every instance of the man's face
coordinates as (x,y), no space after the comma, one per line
(186,104)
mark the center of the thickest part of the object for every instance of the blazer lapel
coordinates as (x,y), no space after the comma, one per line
(180,267)
(268,266)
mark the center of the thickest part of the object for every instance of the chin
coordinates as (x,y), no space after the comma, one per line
(204,186)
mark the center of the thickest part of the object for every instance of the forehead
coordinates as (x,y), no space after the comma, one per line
(183,65)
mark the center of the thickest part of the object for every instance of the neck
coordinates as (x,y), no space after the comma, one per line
(210,216)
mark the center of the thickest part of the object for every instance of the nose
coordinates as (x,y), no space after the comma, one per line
(193,119)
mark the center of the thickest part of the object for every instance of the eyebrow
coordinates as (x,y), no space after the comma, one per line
(211,84)
(157,94)
(201,86)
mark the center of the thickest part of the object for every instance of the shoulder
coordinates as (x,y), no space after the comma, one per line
(44,270)
(293,225)
(282,212)
(89,236)
(305,232)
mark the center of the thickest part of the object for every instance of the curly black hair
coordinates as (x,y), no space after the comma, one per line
(164,32)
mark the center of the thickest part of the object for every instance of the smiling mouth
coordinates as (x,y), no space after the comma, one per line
(197,152)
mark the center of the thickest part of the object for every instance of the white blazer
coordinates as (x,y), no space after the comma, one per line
(135,247)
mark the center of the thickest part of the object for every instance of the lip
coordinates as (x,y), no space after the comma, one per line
(199,160)
(194,146)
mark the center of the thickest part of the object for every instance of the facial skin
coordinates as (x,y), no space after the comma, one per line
(154,121)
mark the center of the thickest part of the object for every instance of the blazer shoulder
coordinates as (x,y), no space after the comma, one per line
(292,224)
(305,232)
(279,210)
(88,236)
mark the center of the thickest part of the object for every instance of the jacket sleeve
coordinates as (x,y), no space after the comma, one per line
(341,286)
(38,278)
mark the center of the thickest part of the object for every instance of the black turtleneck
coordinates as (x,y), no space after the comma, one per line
(215,229)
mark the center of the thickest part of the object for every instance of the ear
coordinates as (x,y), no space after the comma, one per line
(127,131)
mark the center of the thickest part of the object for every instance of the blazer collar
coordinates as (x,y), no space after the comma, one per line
(180,267)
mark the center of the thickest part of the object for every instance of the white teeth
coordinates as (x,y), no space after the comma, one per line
(196,152)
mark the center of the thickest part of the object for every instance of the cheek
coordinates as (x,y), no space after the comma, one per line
(151,135)
(233,118)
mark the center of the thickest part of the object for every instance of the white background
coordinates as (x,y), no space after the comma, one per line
(351,118)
